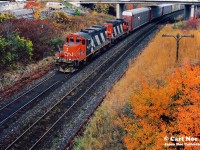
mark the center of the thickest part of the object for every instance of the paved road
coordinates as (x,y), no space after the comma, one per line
(6,6)
(17,8)
(23,13)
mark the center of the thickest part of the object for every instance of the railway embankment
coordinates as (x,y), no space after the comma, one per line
(48,117)
(18,70)
(113,126)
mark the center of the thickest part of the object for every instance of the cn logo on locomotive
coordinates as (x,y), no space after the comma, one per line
(69,54)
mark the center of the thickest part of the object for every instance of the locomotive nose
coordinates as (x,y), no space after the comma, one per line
(70,50)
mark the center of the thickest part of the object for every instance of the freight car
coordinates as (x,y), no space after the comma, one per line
(137,17)
(166,8)
(83,45)
(156,11)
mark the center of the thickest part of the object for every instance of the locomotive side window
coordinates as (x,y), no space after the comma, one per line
(67,40)
(88,41)
(83,42)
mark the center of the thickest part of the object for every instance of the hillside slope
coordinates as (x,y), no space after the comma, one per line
(157,61)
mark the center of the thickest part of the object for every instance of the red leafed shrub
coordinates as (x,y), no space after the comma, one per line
(193,24)
(44,34)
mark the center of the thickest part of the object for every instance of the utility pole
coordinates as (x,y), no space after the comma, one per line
(178,37)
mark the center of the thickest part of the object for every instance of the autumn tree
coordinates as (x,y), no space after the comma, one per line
(102,8)
(5,16)
(44,35)
(14,49)
(129,6)
(36,7)
(31,4)
(163,109)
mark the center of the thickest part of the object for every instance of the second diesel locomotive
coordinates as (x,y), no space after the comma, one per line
(83,45)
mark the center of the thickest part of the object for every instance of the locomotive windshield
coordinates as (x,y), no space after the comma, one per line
(71,39)
(78,40)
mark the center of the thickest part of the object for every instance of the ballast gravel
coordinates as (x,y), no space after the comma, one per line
(80,116)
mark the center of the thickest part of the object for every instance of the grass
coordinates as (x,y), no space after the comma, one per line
(156,61)
(9,77)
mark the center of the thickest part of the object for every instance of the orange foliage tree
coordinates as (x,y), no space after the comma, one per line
(164,109)
(31,4)
(129,6)
(36,7)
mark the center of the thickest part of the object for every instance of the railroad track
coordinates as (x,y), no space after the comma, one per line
(17,100)
(48,123)
(38,128)
(13,110)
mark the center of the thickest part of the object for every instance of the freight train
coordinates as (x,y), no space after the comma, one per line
(83,45)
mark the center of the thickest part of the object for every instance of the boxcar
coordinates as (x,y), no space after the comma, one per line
(156,11)
(137,17)
(176,7)
(166,8)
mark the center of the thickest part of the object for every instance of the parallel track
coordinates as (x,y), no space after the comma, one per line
(60,106)
(27,92)
(46,124)
(18,100)
(13,110)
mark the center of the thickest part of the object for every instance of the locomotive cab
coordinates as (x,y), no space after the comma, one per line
(74,50)
(115,29)
(109,32)
(125,24)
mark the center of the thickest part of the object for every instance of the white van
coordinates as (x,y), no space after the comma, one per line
(55,5)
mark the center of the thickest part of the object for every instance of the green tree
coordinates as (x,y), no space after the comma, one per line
(5,16)
(14,49)
(102,8)
(77,12)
